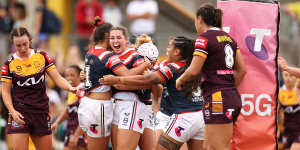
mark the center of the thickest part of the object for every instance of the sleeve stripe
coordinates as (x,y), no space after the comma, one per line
(201,50)
(102,56)
(138,62)
(161,75)
(50,68)
(6,80)
(130,58)
(175,66)
(8,77)
(51,64)
(116,67)
(112,60)
(196,53)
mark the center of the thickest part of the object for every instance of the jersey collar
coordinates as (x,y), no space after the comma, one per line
(16,56)
(215,29)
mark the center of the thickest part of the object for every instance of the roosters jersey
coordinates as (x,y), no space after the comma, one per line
(99,62)
(131,59)
(28,81)
(174,101)
(220,50)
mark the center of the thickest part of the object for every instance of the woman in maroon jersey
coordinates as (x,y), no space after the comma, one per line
(218,58)
(24,73)
(74,138)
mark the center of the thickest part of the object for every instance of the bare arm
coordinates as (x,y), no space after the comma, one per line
(7,99)
(284,66)
(156,92)
(6,95)
(60,81)
(191,72)
(123,71)
(63,116)
(139,80)
(240,69)
(132,87)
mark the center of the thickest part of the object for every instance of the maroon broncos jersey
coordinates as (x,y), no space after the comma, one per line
(220,50)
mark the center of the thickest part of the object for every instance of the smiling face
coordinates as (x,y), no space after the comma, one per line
(72,76)
(21,44)
(118,41)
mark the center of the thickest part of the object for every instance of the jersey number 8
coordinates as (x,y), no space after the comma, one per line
(229,60)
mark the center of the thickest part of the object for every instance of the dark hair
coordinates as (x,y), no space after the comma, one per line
(18,32)
(186,47)
(122,29)
(76,68)
(212,16)
(21,7)
(101,31)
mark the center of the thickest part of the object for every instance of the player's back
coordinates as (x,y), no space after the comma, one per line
(220,51)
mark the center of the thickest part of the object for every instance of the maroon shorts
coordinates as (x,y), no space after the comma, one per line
(82,141)
(222,107)
(35,124)
(290,137)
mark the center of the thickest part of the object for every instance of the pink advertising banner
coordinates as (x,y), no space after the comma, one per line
(254,26)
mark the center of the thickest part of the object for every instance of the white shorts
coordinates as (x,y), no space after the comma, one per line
(130,115)
(161,121)
(95,117)
(185,126)
(149,122)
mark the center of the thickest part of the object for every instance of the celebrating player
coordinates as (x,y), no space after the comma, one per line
(129,113)
(187,124)
(95,112)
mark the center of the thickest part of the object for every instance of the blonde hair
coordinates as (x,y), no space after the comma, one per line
(143,38)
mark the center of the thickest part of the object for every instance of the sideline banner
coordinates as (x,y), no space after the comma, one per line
(255,25)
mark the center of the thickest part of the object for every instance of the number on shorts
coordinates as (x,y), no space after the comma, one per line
(229,60)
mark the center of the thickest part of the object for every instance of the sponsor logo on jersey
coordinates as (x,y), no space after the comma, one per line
(93,128)
(229,113)
(4,69)
(201,42)
(140,123)
(31,81)
(291,110)
(48,58)
(19,68)
(178,131)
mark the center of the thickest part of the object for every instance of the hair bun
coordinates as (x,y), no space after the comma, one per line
(98,21)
